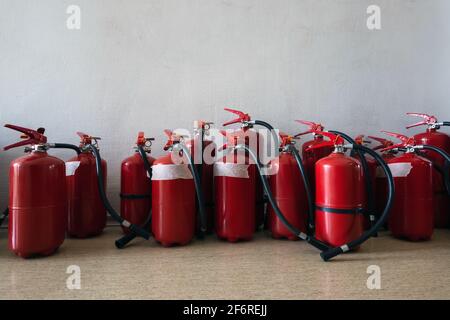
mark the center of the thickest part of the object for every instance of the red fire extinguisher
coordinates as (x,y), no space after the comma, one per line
(175,186)
(135,183)
(234,181)
(432,136)
(412,213)
(289,192)
(200,148)
(87,215)
(37,197)
(380,180)
(255,140)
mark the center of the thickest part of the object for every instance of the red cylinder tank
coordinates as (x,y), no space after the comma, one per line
(37,199)
(87,214)
(234,181)
(411,215)
(254,140)
(135,185)
(289,192)
(173,200)
(435,138)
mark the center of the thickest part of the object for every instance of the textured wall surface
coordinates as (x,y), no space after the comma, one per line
(149,65)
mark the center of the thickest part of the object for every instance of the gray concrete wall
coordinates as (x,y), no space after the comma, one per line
(150,65)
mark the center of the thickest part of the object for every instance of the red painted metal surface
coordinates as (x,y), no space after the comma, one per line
(339,185)
(411,216)
(37,204)
(135,190)
(440,140)
(173,205)
(441,200)
(254,140)
(87,214)
(289,192)
(235,203)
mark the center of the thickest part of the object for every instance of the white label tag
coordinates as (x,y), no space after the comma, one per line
(71,167)
(171,172)
(401,169)
(233,170)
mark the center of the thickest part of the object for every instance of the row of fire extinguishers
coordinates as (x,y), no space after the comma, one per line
(333,200)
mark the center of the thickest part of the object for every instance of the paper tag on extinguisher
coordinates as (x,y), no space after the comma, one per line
(401,169)
(71,167)
(171,172)
(233,170)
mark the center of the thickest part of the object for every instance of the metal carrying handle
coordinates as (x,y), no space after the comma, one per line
(335,140)
(384,143)
(405,141)
(87,139)
(428,119)
(242,117)
(31,136)
(313,127)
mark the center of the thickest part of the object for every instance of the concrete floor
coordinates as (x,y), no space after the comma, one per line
(212,269)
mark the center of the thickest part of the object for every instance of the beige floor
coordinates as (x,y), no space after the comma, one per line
(261,269)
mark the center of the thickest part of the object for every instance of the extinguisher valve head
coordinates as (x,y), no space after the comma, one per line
(243,118)
(86,139)
(314,128)
(428,120)
(144,142)
(407,144)
(30,136)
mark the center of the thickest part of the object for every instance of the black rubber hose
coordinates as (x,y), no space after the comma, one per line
(446,123)
(310,239)
(307,187)
(367,175)
(124,240)
(272,132)
(446,156)
(125,223)
(65,146)
(4,215)
(198,190)
(329,254)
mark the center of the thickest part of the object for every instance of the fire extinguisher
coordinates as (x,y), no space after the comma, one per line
(412,215)
(175,186)
(433,137)
(135,183)
(37,197)
(368,169)
(135,230)
(200,147)
(234,189)
(290,191)
(380,180)
(87,214)
(255,140)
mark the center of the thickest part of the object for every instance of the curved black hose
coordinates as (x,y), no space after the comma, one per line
(127,238)
(446,123)
(125,223)
(310,239)
(65,146)
(198,189)
(446,156)
(330,253)
(4,215)
(272,132)
(307,187)
(367,175)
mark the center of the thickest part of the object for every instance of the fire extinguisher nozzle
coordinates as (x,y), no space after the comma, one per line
(331,253)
